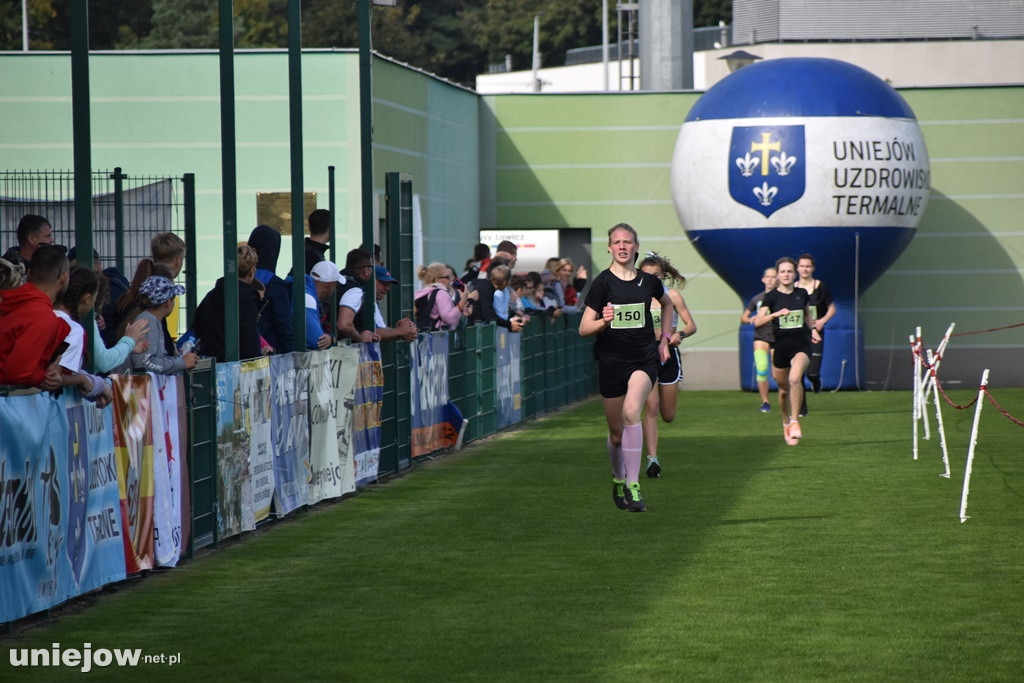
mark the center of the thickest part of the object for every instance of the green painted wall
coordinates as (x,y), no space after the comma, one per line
(595,160)
(429,129)
(520,161)
(159,113)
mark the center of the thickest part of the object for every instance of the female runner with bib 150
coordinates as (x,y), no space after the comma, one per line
(618,311)
(786,308)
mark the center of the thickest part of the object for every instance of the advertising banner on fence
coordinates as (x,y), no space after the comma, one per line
(367,402)
(133,444)
(344,372)
(507,382)
(254,386)
(173,519)
(323,432)
(435,421)
(94,547)
(234,485)
(289,426)
(60,510)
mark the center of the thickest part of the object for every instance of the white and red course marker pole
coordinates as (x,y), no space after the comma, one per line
(922,395)
(970,451)
(934,363)
(916,409)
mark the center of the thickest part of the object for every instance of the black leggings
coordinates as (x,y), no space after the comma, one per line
(814,367)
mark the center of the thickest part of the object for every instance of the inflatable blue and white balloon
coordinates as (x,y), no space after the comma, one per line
(792,156)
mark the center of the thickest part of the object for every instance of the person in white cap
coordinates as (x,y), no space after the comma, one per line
(321,284)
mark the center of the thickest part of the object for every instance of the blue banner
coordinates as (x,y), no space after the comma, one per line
(367,403)
(289,428)
(428,368)
(60,521)
(95,549)
(507,382)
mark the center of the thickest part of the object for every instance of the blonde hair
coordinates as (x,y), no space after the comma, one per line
(626,227)
(429,274)
(500,273)
(246,260)
(166,246)
(562,263)
(11,275)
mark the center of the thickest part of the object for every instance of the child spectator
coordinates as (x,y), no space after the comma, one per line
(483,310)
(155,300)
(536,302)
(77,299)
(169,251)
(73,304)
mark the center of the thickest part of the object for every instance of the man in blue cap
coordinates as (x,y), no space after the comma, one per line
(404,328)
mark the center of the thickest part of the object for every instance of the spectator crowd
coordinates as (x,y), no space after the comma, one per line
(47,292)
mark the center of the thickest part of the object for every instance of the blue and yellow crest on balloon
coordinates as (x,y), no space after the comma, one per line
(766,166)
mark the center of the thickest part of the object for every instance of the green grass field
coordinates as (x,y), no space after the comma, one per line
(841,558)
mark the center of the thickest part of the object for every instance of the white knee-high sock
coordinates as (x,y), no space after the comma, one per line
(632,446)
(615,457)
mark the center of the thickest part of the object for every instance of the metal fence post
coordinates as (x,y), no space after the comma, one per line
(118,179)
(188,184)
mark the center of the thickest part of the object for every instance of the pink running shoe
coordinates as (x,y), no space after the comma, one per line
(794,430)
(787,434)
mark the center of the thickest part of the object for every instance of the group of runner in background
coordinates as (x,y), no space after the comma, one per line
(789,319)
(639,321)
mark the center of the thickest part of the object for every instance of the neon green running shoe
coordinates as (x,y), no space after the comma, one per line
(634,503)
(619,493)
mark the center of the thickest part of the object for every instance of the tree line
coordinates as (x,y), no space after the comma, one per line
(455,39)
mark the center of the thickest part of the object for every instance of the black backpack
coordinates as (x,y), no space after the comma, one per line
(423,307)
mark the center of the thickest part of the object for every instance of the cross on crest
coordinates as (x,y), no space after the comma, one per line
(764,181)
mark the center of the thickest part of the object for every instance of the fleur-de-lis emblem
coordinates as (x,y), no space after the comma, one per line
(783,163)
(746,164)
(765,194)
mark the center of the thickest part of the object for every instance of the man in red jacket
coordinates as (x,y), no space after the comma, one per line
(29,330)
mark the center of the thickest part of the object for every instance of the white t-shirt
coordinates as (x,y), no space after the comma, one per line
(72,358)
(378,319)
(352,298)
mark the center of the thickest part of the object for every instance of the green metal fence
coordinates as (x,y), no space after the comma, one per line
(396,248)
(127,210)
(201,398)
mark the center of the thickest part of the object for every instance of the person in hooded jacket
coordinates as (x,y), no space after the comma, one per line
(275,323)
(209,319)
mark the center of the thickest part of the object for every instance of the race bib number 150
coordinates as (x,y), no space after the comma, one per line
(628,316)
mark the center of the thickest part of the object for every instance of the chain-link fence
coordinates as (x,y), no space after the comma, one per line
(126,210)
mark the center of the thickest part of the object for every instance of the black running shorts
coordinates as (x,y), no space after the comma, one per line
(672,370)
(783,351)
(613,376)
